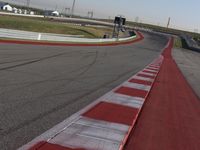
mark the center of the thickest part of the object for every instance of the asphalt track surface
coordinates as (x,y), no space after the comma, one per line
(189,62)
(170,117)
(40,86)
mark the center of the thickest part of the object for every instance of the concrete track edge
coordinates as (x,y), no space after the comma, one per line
(138,37)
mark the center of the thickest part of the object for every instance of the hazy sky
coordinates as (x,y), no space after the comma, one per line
(184,13)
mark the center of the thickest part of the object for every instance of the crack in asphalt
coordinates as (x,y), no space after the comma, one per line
(30,62)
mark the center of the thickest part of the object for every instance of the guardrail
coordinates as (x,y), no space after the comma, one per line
(26,35)
(193,45)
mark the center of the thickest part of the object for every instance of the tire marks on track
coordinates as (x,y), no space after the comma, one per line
(64,105)
(85,68)
(31,61)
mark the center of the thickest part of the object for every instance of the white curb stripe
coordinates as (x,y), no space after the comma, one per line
(149,74)
(89,133)
(137,86)
(157,65)
(151,70)
(142,78)
(124,100)
(102,124)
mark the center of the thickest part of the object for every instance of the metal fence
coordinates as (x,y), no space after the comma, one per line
(193,45)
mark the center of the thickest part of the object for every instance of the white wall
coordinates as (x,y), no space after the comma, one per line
(55,13)
(7,8)
(15,10)
(32,13)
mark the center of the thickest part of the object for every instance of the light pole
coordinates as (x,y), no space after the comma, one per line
(73,6)
(28,6)
(168,23)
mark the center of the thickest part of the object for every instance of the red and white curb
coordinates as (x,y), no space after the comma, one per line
(106,123)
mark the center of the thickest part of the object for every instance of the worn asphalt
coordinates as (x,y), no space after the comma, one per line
(42,85)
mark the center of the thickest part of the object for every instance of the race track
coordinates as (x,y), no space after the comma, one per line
(42,85)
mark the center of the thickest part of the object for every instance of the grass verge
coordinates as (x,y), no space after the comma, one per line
(47,26)
(178,43)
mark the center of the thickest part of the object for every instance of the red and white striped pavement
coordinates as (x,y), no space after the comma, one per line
(106,123)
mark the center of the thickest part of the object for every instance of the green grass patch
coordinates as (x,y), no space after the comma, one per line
(47,26)
(178,43)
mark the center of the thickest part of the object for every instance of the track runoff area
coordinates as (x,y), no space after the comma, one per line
(110,123)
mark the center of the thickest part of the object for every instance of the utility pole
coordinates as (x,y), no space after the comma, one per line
(168,23)
(56,7)
(137,19)
(73,6)
(90,14)
(196,31)
(28,3)
(67,11)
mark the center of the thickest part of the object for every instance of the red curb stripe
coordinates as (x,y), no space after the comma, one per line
(140,37)
(112,113)
(38,145)
(146,76)
(149,72)
(131,92)
(140,81)
(48,146)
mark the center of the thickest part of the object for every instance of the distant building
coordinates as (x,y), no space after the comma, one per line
(55,13)
(51,13)
(32,13)
(6,7)
(19,11)
(15,10)
(25,12)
